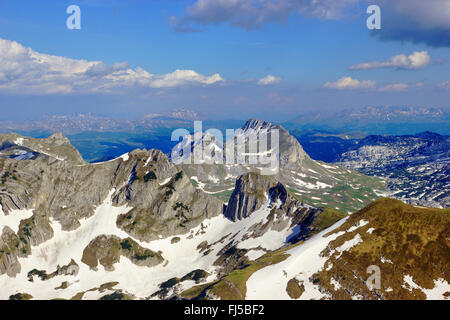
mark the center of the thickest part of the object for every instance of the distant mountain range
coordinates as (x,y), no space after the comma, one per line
(370,120)
(82,123)
(390,120)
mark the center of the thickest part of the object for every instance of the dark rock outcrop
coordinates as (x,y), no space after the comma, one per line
(249,195)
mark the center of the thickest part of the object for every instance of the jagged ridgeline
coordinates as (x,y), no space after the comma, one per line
(136,227)
(45,182)
(313,182)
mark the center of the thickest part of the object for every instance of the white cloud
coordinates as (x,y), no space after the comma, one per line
(415,61)
(445,85)
(347,83)
(267,80)
(25,71)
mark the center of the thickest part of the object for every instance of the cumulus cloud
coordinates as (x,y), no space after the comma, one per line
(252,14)
(417,21)
(417,60)
(347,83)
(25,71)
(269,80)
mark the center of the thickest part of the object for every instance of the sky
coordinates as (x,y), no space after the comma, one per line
(228,59)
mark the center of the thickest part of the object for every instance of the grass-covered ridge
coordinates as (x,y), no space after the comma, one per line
(404,241)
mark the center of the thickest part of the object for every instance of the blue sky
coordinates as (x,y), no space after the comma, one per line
(301,53)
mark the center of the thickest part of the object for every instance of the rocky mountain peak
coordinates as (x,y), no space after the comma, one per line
(256,124)
(58,139)
(291,152)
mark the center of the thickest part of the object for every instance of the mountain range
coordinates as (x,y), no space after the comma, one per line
(82,123)
(382,120)
(315,182)
(140,227)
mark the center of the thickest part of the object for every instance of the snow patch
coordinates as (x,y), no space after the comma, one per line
(13,219)
(303,261)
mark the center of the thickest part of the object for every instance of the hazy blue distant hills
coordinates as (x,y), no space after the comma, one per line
(380,120)
(370,120)
(82,123)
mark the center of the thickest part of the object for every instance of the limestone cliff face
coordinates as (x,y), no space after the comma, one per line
(254,191)
(249,195)
(9,252)
(107,250)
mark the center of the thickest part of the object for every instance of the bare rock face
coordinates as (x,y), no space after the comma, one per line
(277,208)
(58,139)
(70,269)
(254,150)
(57,146)
(253,191)
(249,195)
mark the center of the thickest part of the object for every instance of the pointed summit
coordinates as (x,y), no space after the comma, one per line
(257,124)
(292,153)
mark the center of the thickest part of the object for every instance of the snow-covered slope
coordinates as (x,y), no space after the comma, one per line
(303,261)
(201,248)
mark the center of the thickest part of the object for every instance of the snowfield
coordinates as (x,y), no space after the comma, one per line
(180,258)
(270,283)
(12,220)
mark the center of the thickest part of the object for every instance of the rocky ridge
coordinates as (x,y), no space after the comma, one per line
(314,182)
